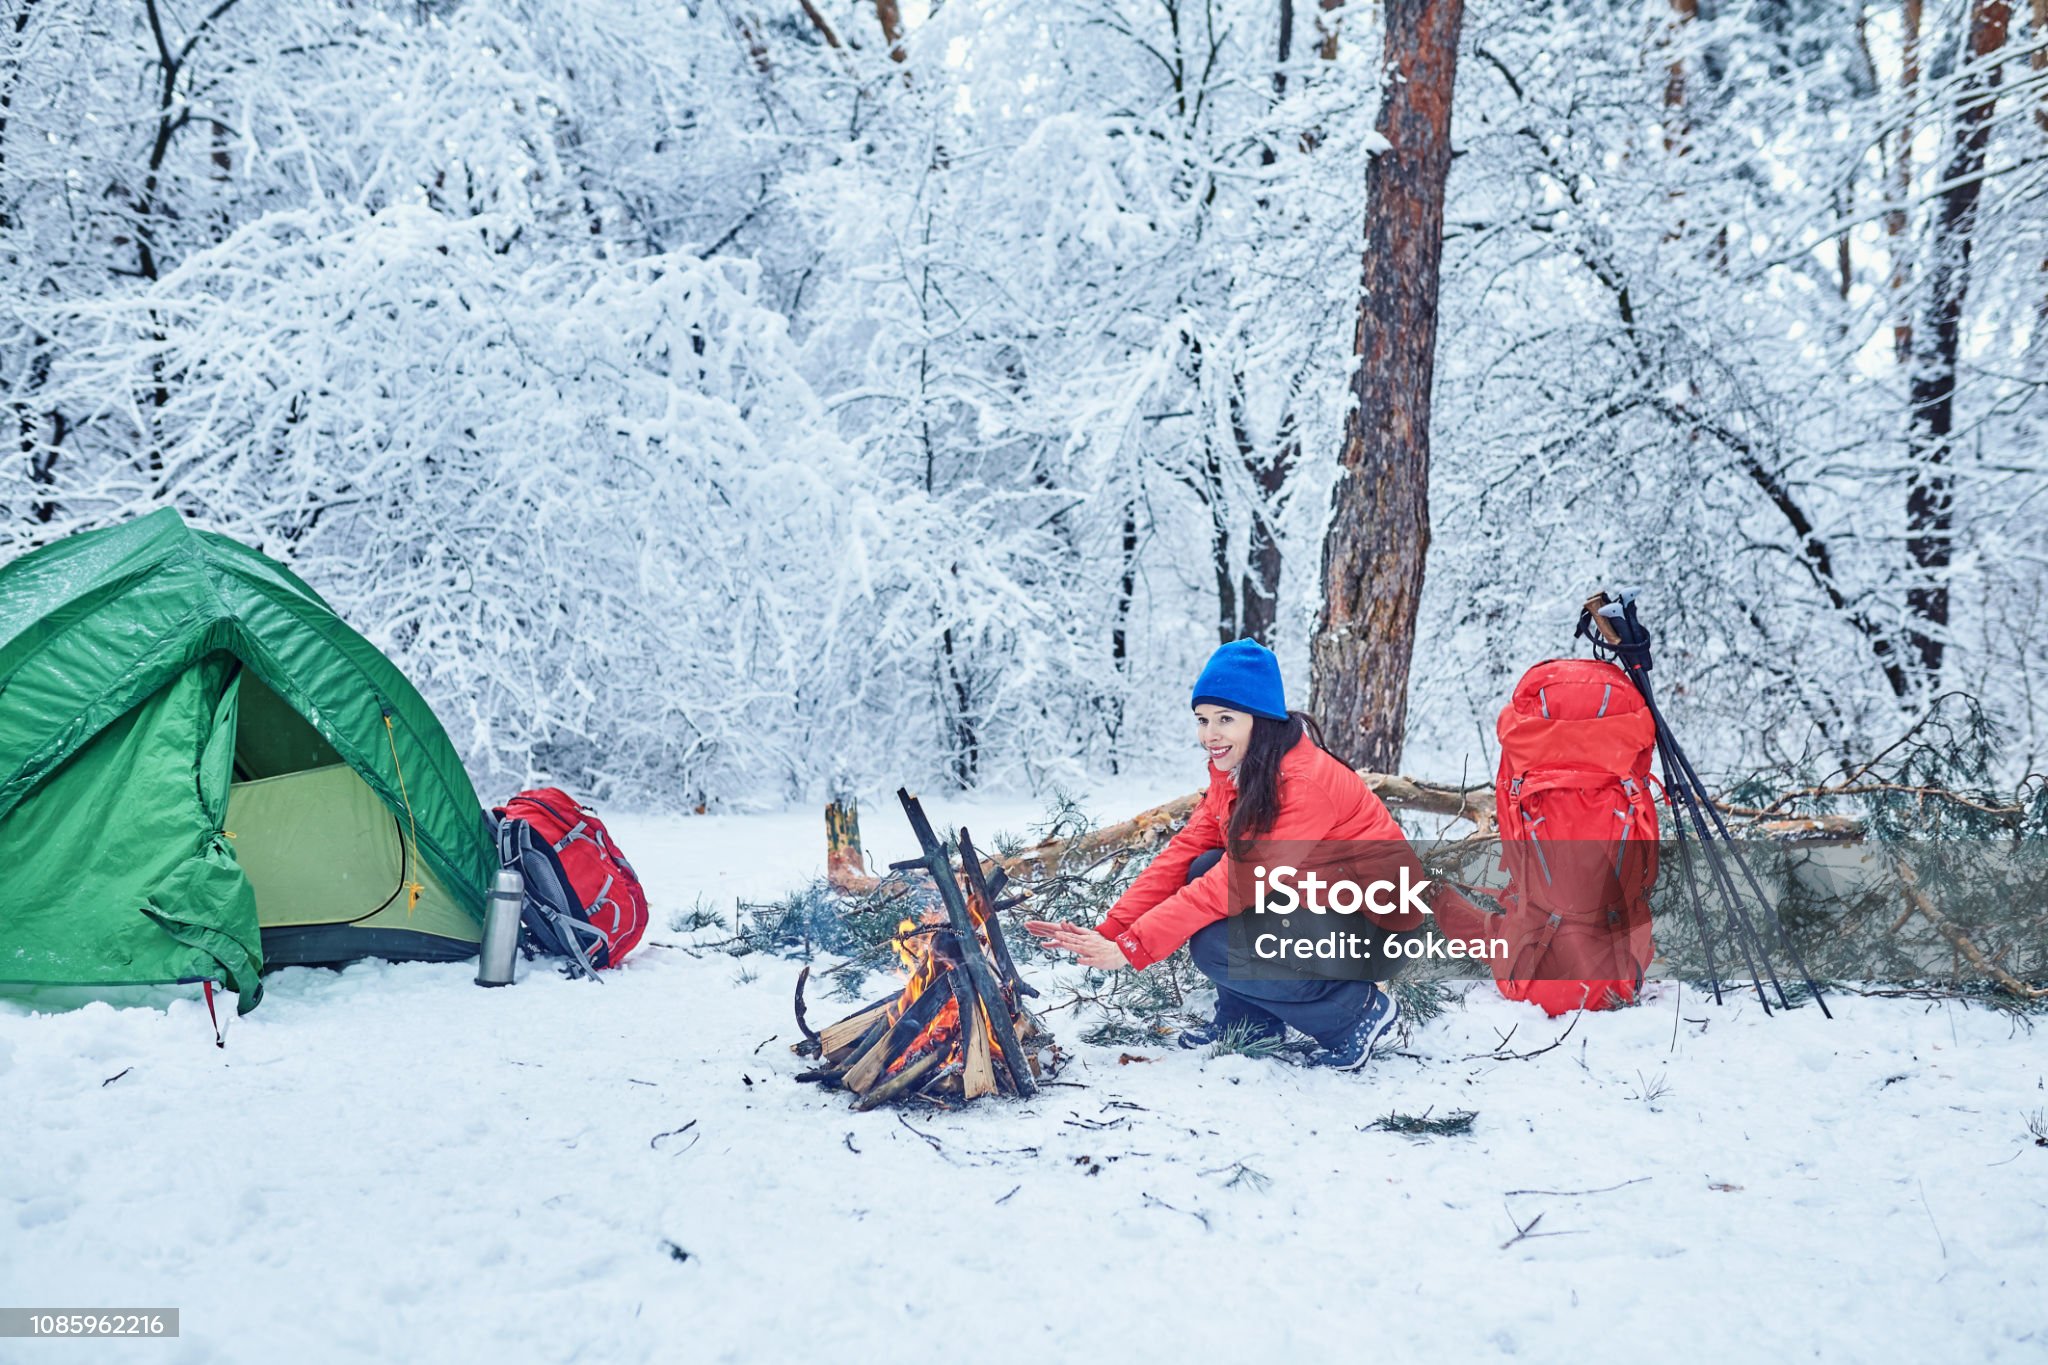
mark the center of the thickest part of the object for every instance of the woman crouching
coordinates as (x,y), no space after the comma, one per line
(1270,780)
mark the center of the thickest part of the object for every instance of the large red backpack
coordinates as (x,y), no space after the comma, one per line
(1578,836)
(555,841)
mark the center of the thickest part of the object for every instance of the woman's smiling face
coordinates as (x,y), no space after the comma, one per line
(1225,733)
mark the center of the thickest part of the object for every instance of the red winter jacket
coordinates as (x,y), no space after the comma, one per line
(1320,798)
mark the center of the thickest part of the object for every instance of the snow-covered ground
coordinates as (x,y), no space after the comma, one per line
(390,1164)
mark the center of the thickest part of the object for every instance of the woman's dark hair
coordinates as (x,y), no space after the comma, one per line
(1258,775)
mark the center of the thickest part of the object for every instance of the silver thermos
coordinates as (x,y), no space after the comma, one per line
(501,929)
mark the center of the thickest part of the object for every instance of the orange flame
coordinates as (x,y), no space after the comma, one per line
(905,952)
(914,946)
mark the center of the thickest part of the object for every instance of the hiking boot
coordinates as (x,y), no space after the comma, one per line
(1354,1049)
(1213,1032)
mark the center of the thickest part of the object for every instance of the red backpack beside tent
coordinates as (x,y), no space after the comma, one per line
(583,899)
(1578,836)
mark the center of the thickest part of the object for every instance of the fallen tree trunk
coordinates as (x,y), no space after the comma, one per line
(1918,900)
(1153,827)
(1148,829)
(1824,829)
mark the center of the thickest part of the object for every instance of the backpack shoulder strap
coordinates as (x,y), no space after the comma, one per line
(554,917)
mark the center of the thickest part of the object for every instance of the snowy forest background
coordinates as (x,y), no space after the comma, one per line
(735,400)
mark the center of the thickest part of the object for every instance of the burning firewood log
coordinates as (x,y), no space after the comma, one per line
(959,1028)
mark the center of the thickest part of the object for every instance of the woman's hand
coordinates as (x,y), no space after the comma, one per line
(1089,948)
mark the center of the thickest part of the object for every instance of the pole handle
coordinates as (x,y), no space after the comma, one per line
(1601,622)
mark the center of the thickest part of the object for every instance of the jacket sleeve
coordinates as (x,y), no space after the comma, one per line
(1308,815)
(1388,856)
(1167,873)
(1155,934)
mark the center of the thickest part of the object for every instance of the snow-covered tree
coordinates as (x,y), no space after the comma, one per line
(713,401)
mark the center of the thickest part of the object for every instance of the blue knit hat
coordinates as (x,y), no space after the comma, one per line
(1245,676)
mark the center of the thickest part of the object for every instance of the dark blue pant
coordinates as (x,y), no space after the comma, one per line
(1325,1010)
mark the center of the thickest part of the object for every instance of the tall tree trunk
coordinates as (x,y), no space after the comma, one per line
(1680,98)
(1930,486)
(40,458)
(1329,24)
(2037,34)
(1845,258)
(890,14)
(956,698)
(1214,490)
(1896,219)
(1378,537)
(1284,48)
(1258,589)
(1218,499)
(823,25)
(1119,634)
(2037,37)
(8,76)
(966,742)
(1677,122)
(1258,593)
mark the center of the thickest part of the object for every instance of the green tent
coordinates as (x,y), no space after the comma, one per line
(206,773)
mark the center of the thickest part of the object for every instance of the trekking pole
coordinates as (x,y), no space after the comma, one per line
(1756,888)
(1692,885)
(1630,643)
(1621,633)
(1704,802)
(1740,929)
(1617,647)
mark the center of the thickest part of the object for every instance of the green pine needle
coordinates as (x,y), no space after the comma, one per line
(1457,1123)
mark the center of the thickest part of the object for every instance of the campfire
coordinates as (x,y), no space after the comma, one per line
(958,1028)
